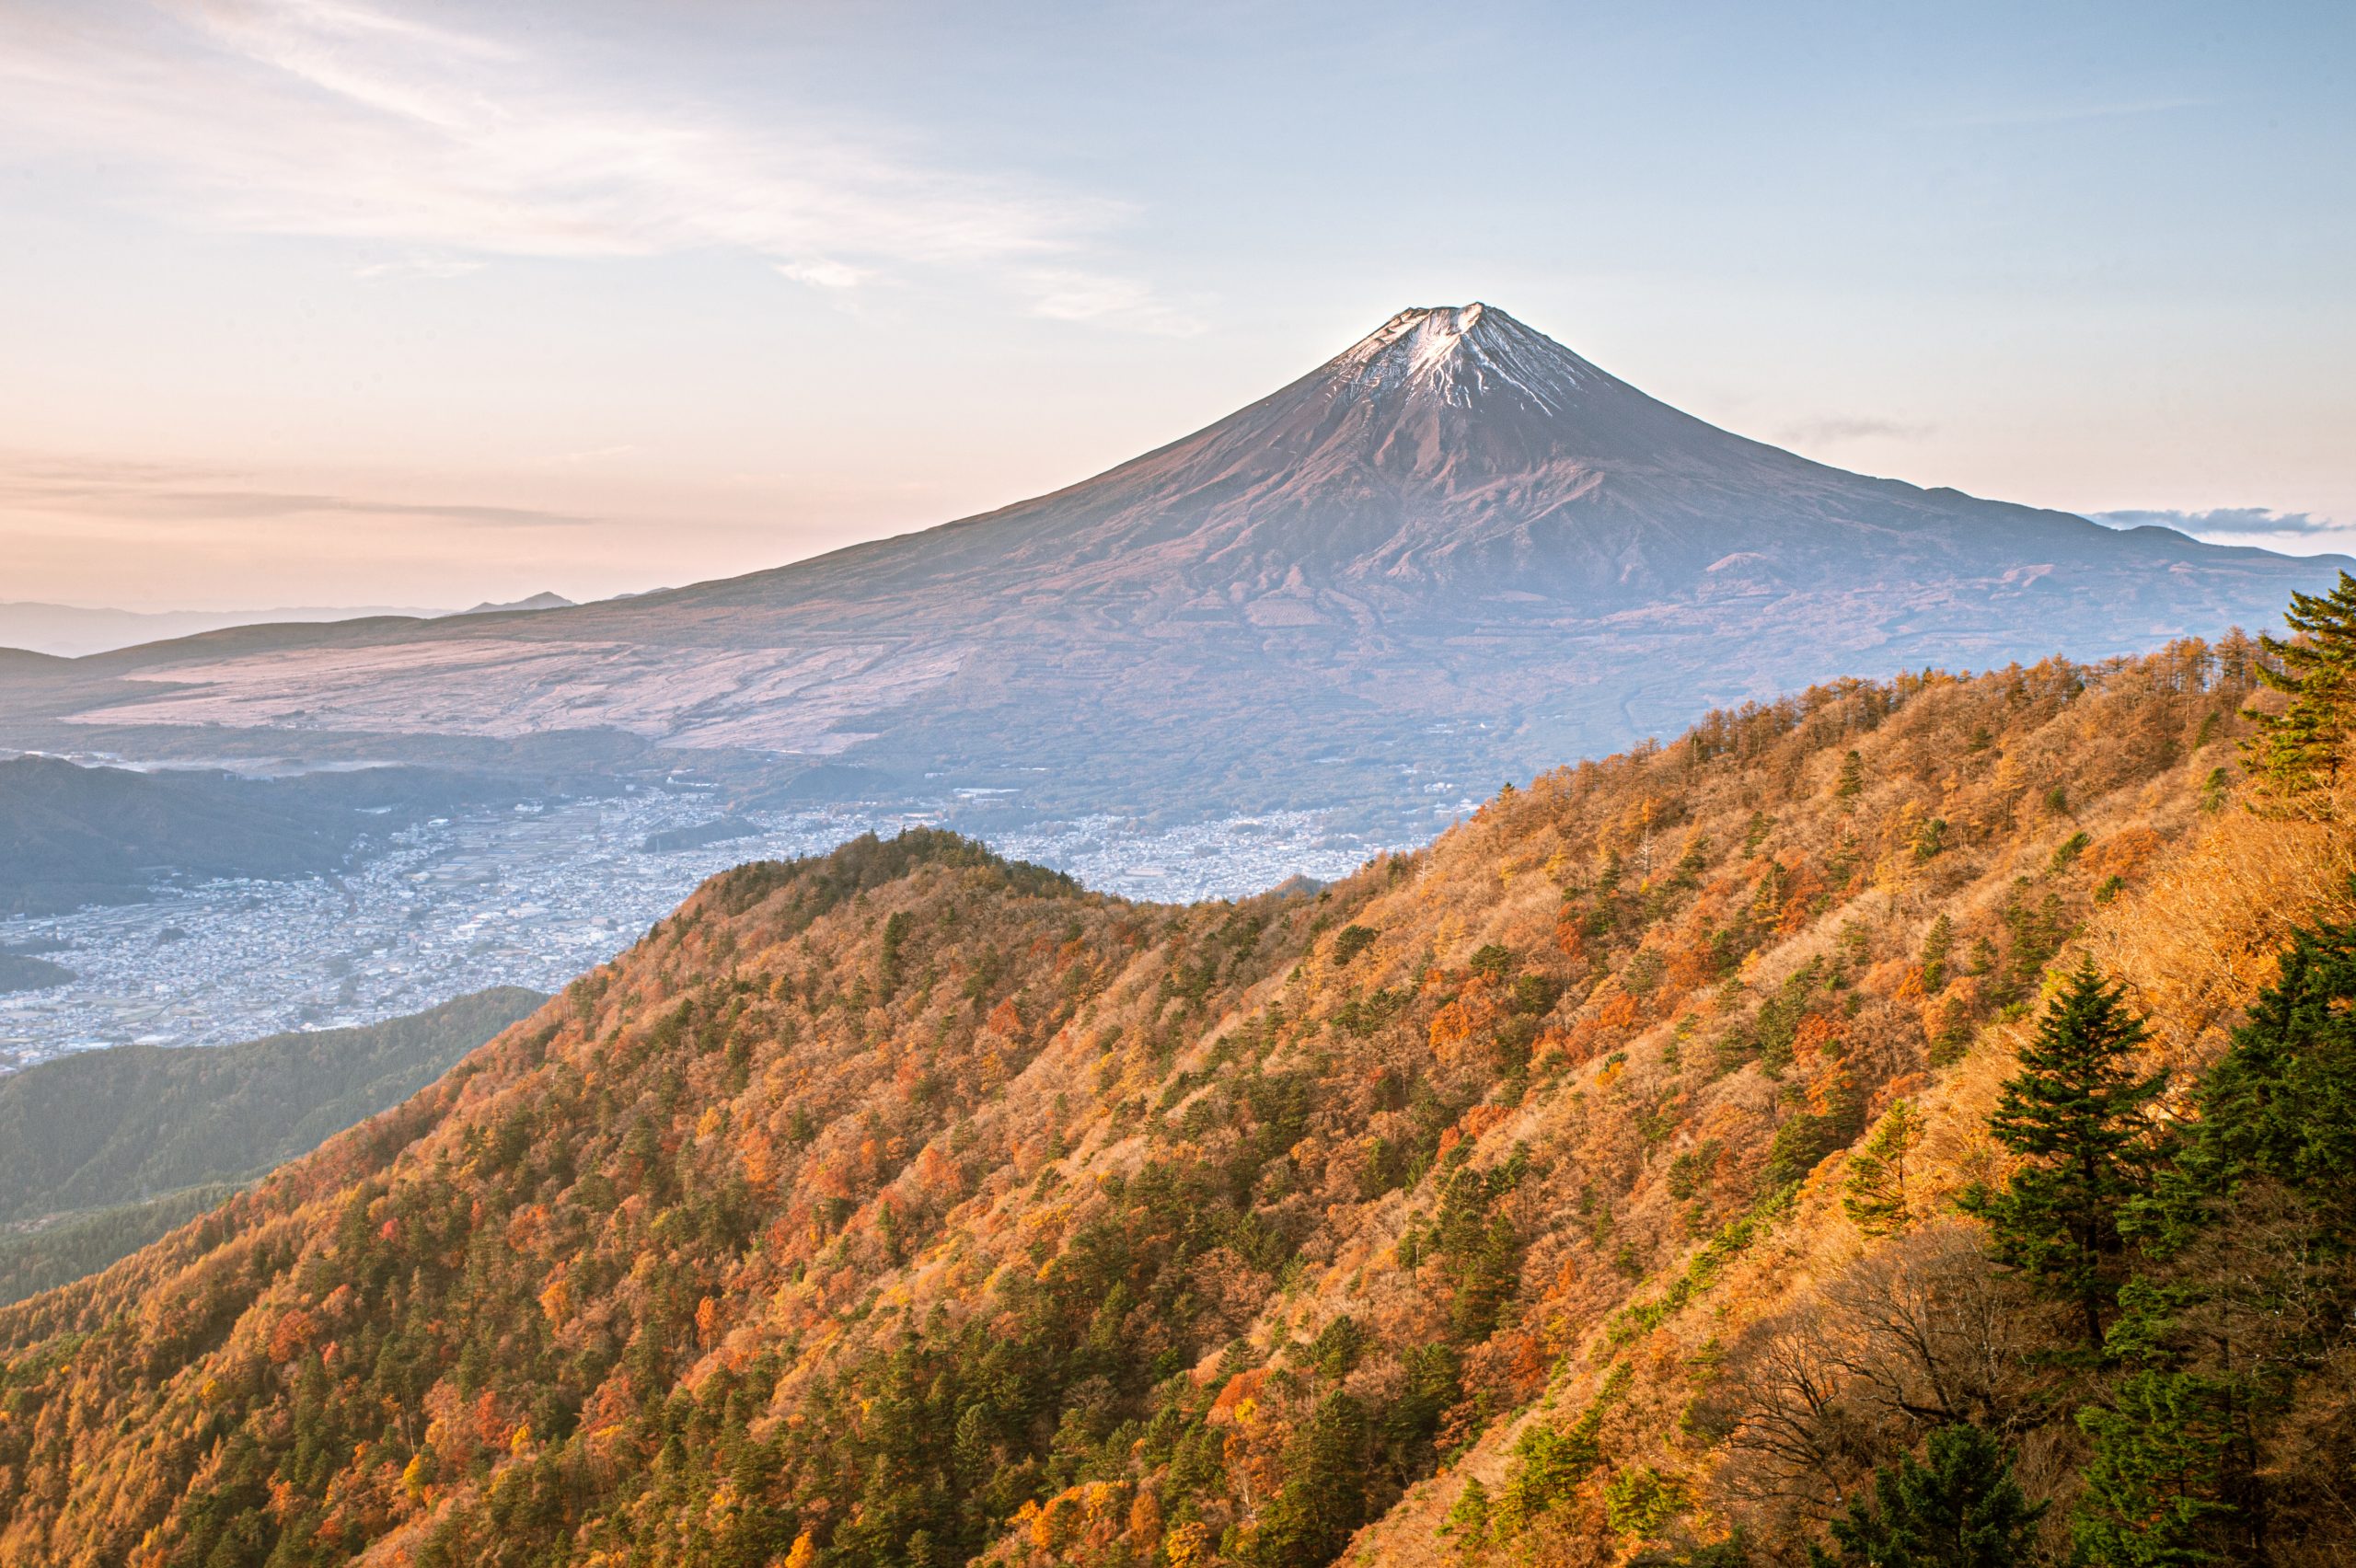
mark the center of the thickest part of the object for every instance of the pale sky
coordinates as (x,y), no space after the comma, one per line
(363,301)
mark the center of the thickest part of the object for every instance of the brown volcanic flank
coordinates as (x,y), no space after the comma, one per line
(1456,525)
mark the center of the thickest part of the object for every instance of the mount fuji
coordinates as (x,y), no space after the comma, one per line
(1457,549)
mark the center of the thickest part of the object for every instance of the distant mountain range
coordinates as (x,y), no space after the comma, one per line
(1455,553)
(72,631)
(541,601)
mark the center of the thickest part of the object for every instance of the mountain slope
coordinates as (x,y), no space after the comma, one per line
(102,1152)
(35,1258)
(102,1127)
(70,835)
(1457,547)
(903,1206)
(1450,456)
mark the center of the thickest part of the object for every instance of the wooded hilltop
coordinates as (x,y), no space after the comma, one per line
(1907,1123)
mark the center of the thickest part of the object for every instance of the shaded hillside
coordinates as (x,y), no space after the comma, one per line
(117,1126)
(61,1248)
(72,631)
(100,1152)
(903,1206)
(1457,548)
(72,836)
(24,972)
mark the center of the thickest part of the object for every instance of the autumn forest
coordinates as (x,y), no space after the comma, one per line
(1909,1123)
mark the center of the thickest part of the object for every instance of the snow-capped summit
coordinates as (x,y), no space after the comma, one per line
(1459,354)
(1456,468)
(1455,543)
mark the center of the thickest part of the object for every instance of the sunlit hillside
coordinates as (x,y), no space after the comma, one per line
(1533,1198)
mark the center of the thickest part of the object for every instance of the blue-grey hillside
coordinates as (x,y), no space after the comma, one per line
(103,1151)
(72,836)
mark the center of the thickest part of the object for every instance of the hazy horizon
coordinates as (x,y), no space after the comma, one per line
(324,302)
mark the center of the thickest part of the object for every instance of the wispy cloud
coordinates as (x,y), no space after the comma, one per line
(1831,430)
(1068,295)
(2224,520)
(345,120)
(161,494)
(823,274)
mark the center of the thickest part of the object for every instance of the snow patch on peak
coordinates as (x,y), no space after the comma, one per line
(1461,354)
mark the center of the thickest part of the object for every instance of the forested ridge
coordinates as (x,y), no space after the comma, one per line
(1907,1123)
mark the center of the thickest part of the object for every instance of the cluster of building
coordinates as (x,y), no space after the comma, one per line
(532,896)
(1223,859)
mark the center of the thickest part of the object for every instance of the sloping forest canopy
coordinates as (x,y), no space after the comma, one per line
(1907,1123)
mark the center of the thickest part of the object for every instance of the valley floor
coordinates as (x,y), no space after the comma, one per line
(521,899)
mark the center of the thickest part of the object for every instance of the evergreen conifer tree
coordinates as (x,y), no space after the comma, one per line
(1962,1509)
(2281,1104)
(1852,777)
(1937,943)
(2075,1114)
(2155,1481)
(1875,1197)
(2298,750)
(1324,1500)
(2177,1474)
(1468,1517)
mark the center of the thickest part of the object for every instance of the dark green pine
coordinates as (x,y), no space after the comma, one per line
(2076,1116)
(2298,750)
(1962,1509)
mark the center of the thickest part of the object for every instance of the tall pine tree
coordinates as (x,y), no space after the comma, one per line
(2243,1282)
(2281,1104)
(2297,750)
(2076,1115)
(1323,1499)
(1852,781)
(2161,1475)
